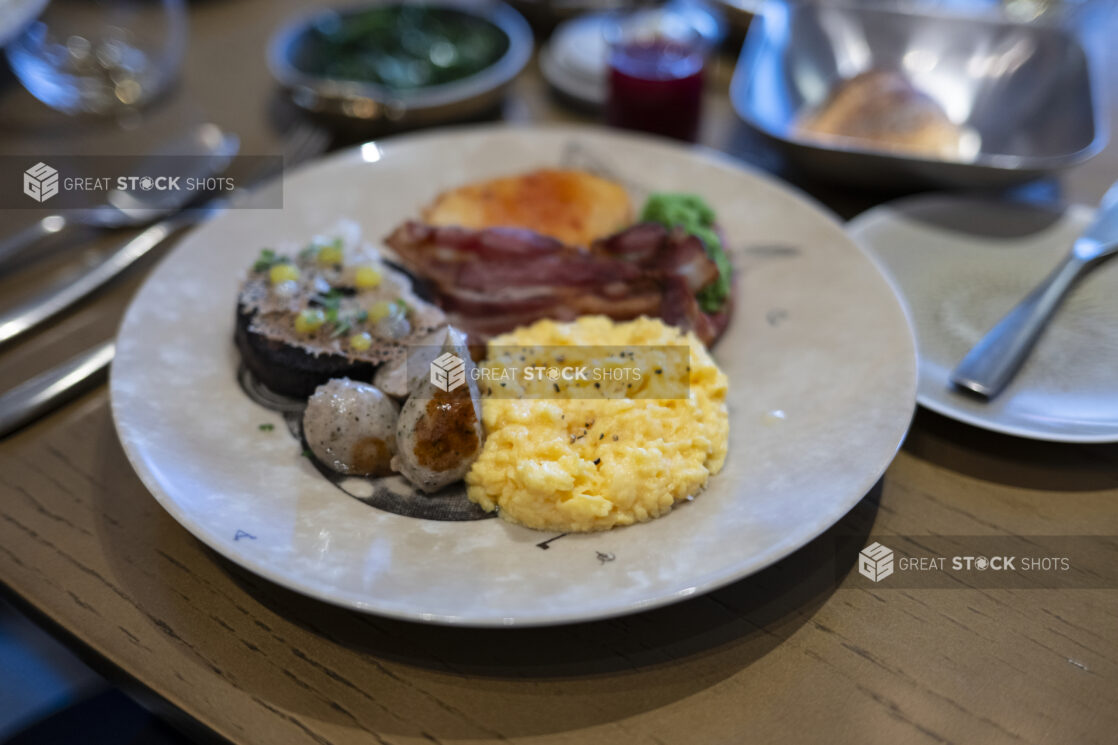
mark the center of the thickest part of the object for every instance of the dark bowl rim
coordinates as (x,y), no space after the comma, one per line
(499,73)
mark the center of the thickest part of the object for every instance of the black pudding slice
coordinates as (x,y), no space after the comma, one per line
(290,369)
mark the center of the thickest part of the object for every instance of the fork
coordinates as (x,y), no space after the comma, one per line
(41,394)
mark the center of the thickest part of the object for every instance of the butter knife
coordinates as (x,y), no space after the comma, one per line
(42,393)
(987,369)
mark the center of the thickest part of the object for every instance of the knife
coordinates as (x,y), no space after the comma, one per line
(42,393)
(62,295)
(992,363)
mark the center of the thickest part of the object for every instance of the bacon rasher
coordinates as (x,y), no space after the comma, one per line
(493,280)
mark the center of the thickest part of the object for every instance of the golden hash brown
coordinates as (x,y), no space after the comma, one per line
(574,206)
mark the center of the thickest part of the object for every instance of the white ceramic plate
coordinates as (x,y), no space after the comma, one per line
(574,59)
(962,265)
(818,334)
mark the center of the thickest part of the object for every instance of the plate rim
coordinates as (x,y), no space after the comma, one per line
(762,560)
(944,408)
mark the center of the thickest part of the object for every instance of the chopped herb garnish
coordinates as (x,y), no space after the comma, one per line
(266,427)
(403,305)
(331,299)
(267,259)
(308,454)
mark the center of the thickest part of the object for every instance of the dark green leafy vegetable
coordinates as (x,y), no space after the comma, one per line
(402,47)
(691,213)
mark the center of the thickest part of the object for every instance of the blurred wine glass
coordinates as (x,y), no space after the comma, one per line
(100,56)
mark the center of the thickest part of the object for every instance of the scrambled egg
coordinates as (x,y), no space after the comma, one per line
(581,461)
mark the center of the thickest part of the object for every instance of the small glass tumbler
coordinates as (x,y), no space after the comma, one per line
(100,56)
(656,60)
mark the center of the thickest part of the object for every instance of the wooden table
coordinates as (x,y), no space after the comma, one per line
(789,655)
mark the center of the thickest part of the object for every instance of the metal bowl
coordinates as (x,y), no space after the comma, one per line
(1025,90)
(372,107)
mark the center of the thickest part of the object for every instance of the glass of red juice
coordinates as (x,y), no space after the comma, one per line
(656,61)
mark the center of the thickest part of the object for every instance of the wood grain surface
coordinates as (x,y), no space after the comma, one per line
(801,652)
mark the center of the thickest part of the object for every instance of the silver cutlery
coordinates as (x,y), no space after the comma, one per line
(303,143)
(65,294)
(992,363)
(43,393)
(209,149)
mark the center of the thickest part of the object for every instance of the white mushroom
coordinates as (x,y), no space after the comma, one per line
(351,427)
(439,431)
